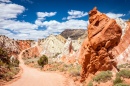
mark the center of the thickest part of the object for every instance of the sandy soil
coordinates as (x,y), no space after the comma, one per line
(34,77)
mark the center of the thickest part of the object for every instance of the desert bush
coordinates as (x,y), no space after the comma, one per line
(123,65)
(7,68)
(15,63)
(43,60)
(61,69)
(74,70)
(117,80)
(103,76)
(4,56)
(90,83)
(121,84)
(9,75)
(125,73)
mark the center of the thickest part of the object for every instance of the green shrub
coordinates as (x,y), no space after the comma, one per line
(4,56)
(90,83)
(121,84)
(124,73)
(117,80)
(43,60)
(103,76)
(15,63)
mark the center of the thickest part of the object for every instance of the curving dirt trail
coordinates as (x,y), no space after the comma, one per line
(34,77)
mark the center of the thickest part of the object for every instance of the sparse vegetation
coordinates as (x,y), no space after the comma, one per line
(90,83)
(103,76)
(121,84)
(117,80)
(7,69)
(126,65)
(55,56)
(43,60)
(74,70)
(125,73)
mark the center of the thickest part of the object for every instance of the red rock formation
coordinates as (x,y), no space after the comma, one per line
(24,44)
(31,48)
(32,52)
(103,35)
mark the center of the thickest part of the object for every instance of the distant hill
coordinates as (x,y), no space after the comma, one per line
(74,33)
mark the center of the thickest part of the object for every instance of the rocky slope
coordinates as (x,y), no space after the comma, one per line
(95,53)
(31,52)
(77,44)
(24,44)
(74,33)
(52,46)
(9,45)
(61,38)
(9,65)
(67,55)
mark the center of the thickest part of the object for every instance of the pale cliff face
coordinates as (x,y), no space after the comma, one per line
(122,50)
(52,46)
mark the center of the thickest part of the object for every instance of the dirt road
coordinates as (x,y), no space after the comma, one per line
(34,77)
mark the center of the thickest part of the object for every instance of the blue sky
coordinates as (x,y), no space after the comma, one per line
(33,19)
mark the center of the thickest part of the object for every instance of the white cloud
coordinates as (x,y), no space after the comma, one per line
(42,15)
(17,25)
(3,32)
(75,14)
(8,17)
(57,27)
(114,15)
(5,1)
(9,25)
(8,11)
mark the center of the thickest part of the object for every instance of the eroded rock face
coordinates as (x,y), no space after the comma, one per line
(9,45)
(121,52)
(31,52)
(68,48)
(51,46)
(122,24)
(68,54)
(95,52)
(24,44)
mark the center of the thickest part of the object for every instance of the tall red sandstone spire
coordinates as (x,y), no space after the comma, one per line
(103,35)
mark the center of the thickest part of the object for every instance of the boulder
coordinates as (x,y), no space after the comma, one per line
(95,52)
